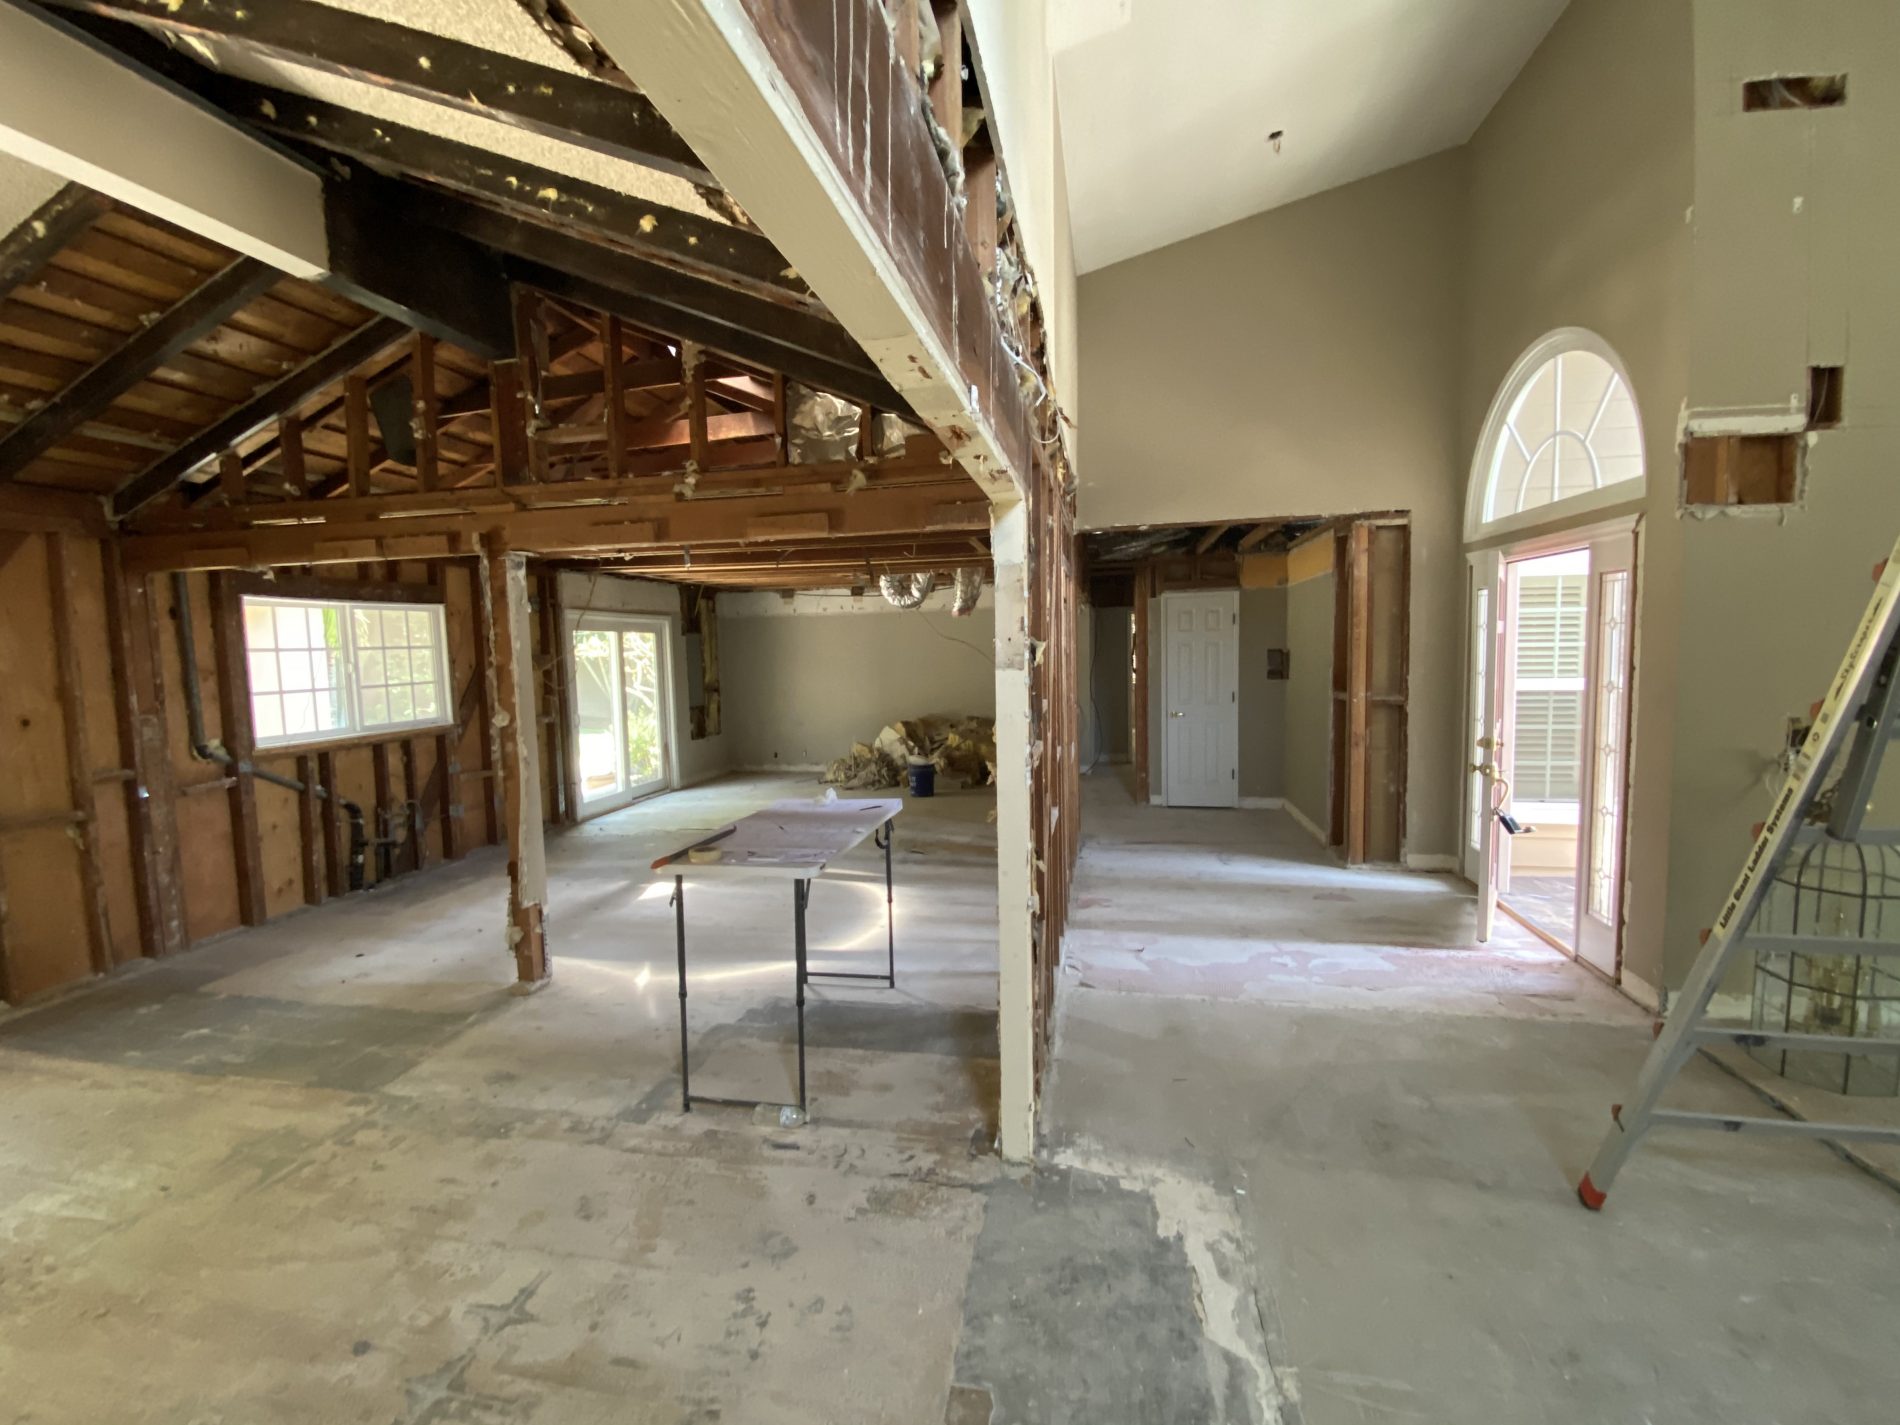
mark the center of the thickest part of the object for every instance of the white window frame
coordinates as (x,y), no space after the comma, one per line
(355,728)
(1622,497)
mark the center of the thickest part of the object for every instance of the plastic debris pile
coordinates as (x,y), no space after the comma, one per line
(959,747)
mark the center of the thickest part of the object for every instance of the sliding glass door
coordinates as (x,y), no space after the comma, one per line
(621,732)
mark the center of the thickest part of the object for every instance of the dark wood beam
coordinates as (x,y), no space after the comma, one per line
(47,229)
(670,235)
(603,117)
(428,278)
(143,353)
(270,403)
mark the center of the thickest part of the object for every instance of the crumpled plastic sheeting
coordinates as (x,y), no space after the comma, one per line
(959,747)
(967,589)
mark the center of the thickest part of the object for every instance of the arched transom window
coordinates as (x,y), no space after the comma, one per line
(1563,436)
(1571,431)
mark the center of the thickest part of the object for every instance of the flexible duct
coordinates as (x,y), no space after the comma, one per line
(906,591)
(205,750)
(967,589)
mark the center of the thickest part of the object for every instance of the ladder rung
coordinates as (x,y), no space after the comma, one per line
(1839,945)
(1774,1127)
(1779,1039)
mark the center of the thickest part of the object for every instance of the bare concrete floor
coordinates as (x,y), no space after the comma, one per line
(333,1170)
(1309,1155)
(1372,1129)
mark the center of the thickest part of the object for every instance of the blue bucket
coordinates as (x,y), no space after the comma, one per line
(923,779)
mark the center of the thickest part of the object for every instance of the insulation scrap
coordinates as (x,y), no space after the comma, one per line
(960,747)
(820,428)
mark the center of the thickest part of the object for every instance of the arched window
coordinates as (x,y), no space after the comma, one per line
(1563,436)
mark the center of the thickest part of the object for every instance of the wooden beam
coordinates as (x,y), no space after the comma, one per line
(150,806)
(946,88)
(234,718)
(231,481)
(356,435)
(327,366)
(310,840)
(508,412)
(290,454)
(517,757)
(494,819)
(556,652)
(147,349)
(698,437)
(46,230)
(72,709)
(613,375)
(631,516)
(1258,535)
(336,832)
(670,235)
(979,213)
(1208,540)
(413,814)
(604,117)
(1358,688)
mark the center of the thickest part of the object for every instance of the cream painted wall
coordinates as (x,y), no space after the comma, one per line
(1579,217)
(799,688)
(1308,756)
(1302,362)
(694,761)
(1262,699)
(1796,216)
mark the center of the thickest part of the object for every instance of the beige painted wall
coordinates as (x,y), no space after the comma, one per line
(1262,699)
(800,688)
(1307,775)
(1796,216)
(1302,362)
(1584,223)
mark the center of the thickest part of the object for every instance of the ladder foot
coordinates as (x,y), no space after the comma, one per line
(1588,1195)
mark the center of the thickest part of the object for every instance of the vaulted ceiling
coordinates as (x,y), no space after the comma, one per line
(1169,106)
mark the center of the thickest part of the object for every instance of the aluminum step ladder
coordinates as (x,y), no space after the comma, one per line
(1857,717)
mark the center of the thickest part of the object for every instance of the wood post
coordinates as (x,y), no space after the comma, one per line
(1138,682)
(517,757)
(693,366)
(150,809)
(560,699)
(231,477)
(356,428)
(614,376)
(336,832)
(1358,678)
(412,807)
(234,718)
(383,833)
(508,411)
(290,453)
(310,831)
(482,617)
(72,707)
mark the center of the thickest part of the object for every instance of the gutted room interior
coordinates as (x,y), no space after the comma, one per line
(1260,625)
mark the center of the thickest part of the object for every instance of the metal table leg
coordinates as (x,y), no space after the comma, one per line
(801,893)
(679,924)
(890,906)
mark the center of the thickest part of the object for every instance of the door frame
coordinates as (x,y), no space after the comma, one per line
(1230,601)
(587,620)
(1495,557)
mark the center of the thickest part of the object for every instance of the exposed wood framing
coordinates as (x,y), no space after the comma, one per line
(607,118)
(143,353)
(150,807)
(72,708)
(504,592)
(1138,682)
(310,841)
(557,669)
(47,229)
(422,378)
(234,717)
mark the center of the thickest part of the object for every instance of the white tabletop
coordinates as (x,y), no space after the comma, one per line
(796,839)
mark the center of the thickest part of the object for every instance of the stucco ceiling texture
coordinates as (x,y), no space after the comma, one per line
(1168,105)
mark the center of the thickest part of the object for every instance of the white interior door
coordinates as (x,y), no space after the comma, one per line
(1202,698)
(1610,614)
(1483,782)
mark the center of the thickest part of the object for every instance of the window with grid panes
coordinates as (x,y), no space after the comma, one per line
(323,669)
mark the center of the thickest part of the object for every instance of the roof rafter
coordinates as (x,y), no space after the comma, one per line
(601,116)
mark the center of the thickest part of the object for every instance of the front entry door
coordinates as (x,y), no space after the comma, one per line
(1610,612)
(1484,782)
(1202,698)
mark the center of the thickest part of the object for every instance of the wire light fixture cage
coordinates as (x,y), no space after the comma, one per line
(1833,888)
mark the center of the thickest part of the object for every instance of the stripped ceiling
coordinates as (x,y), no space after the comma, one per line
(1168,106)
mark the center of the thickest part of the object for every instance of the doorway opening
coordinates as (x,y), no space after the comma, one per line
(622,734)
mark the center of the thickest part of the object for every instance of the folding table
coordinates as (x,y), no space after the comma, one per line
(796,840)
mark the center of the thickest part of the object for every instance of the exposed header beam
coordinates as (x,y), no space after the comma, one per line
(267,405)
(665,234)
(143,353)
(596,115)
(70,108)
